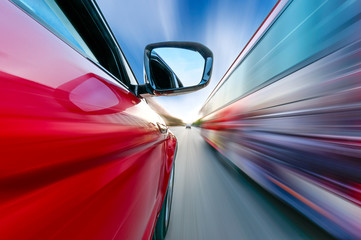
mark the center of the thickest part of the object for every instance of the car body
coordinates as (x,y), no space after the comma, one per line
(82,155)
(188,126)
(287,113)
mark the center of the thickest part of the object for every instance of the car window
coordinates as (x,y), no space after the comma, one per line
(81,25)
(50,14)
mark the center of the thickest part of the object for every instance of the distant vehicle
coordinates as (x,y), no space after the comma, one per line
(82,155)
(288,111)
(188,126)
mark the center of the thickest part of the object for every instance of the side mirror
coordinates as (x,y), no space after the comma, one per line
(173,68)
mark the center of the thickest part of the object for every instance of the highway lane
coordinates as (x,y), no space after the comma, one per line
(214,201)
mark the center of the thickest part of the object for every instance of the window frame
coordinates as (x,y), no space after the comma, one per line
(127,78)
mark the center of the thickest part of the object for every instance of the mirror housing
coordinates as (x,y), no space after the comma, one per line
(160,78)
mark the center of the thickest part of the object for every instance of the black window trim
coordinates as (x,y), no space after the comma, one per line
(110,40)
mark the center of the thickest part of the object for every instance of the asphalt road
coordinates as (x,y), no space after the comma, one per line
(214,201)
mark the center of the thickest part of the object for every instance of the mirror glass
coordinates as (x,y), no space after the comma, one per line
(177,66)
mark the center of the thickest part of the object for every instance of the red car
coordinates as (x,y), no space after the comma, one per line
(82,155)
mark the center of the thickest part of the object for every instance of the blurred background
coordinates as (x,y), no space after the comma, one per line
(278,128)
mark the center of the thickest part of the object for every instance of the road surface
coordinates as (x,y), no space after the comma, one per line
(214,201)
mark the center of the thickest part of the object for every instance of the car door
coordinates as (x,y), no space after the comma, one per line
(81,156)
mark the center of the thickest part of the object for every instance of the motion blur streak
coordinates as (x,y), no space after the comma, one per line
(288,112)
(212,201)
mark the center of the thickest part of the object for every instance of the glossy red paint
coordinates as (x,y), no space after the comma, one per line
(74,165)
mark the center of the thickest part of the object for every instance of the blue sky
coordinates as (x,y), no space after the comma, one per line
(224,26)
